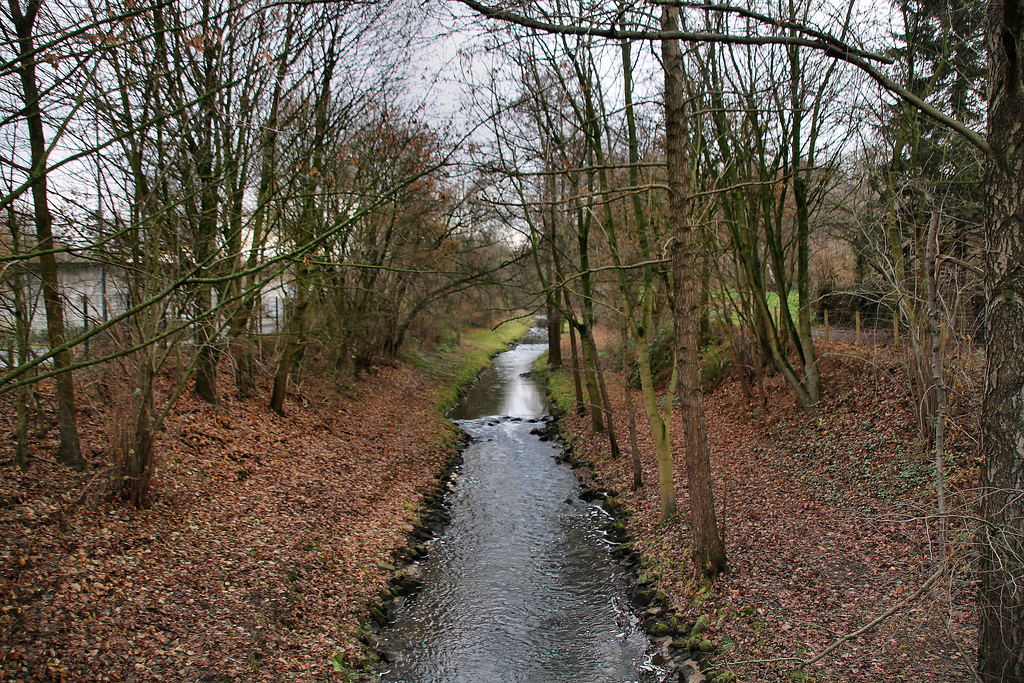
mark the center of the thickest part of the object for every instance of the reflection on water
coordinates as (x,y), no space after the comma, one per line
(501,391)
(520,586)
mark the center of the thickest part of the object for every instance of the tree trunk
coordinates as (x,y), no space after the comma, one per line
(590,380)
(209,173)
(69,451)
(554,333)
(137,464)
(239,289)
(938,382)
(245,364)
(206,363)
(554,314)
(294,339)
(707,548)
(577,383)
(1001,537)
(659,425)
(802,174)
(21,333)
(634,448)
(606,404)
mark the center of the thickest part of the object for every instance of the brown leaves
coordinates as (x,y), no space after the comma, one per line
(255,561)
(824,529)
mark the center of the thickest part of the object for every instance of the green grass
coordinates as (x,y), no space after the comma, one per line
(792,301)
(559,383)
(457,365)
(772,298)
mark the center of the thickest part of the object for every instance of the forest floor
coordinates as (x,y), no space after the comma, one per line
(829,523)
(265,540)
(268,536)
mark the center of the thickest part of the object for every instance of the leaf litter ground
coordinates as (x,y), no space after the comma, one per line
(257,557)
(263,544)
(829,520)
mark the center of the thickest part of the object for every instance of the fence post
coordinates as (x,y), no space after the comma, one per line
(85,320)
(858,327)
(826,326)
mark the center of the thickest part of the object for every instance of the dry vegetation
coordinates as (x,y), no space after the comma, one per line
(264,540)
(829,524)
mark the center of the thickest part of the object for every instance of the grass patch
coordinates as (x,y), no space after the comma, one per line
(559,383)
(719,305)
(457,365)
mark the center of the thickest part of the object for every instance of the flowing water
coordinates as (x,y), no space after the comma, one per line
(521,585)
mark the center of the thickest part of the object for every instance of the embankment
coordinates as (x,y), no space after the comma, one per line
(828,523)
(266,540)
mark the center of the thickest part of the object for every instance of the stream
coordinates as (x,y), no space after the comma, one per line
(521,585)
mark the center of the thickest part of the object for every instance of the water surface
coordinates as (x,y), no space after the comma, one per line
(521,585)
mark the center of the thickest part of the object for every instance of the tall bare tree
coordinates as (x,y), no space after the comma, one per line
(707,547)
(23,17)
(1001,535)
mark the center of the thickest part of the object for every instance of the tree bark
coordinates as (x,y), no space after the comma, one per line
(606,404)
(294,338)
(554,334)
(208,174)
(634,447)
(801,182)
(1001,537)
(590,379)
(706,543)
(553,296)
(577,383)
(938,382)
(69,451)
(21,331)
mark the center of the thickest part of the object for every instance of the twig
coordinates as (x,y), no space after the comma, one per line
(748,662)
(956,643)
(85,490)
(879,619)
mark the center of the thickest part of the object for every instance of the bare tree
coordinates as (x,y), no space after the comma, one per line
(1001,535)
(23,19)
(708,546)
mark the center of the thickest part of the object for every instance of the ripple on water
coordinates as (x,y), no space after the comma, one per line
(520,586)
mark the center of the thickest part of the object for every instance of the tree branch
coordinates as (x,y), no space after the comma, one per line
(832,47)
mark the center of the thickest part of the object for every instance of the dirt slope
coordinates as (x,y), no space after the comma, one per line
(828,525)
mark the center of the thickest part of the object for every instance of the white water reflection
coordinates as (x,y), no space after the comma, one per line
(501,391)
(520,586)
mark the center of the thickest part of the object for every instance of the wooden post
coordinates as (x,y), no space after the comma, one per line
(858,326)
(85,321)
(826,326)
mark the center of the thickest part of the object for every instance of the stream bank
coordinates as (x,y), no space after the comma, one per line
(521,584)
(823,526)
(267,539)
